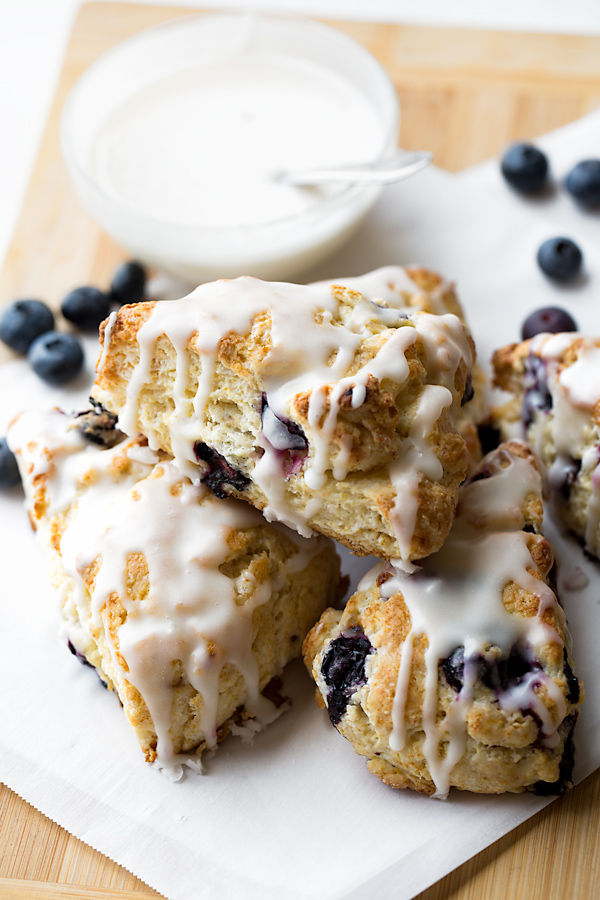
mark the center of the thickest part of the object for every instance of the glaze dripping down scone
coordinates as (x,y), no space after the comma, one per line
(326,410)
(460,674)
(554,381)
(422,290)
(187,606)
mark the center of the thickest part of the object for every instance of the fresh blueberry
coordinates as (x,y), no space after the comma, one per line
(560,258)
(525,168)
(128,284)
(218,472)
(56,357)
(9,471)
(23,321)
(86,307)
(583,183)
(343,669)
(550,319)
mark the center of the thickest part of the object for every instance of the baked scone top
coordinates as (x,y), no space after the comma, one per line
(316,347)
(162,572)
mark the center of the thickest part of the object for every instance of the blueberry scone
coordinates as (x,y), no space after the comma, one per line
(328,411)
(187,606)
(555,404)
(460,674)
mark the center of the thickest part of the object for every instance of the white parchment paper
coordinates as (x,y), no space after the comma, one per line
(296,814)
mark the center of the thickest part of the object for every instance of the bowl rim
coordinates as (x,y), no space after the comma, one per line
(331,202)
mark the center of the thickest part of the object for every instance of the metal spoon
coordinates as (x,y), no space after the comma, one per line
(401,165)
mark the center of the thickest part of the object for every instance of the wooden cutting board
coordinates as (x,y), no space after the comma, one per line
(464,95)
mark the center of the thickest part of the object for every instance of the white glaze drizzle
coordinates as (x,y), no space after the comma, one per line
(455,600)
(417,456)
(310,350)
(190,613)
(390,285)
(51,445)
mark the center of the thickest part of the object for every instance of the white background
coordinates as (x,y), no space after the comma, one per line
(33,36)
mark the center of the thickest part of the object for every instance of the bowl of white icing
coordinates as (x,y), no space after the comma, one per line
(173,137)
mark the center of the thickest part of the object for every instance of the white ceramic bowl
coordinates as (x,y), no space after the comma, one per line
(277,249)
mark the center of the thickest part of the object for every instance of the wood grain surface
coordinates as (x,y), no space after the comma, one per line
(464,95)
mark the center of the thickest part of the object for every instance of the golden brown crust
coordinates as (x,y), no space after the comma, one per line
(433,283)
(367,433)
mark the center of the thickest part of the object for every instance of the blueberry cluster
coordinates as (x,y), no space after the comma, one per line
(526,169)
(28,326)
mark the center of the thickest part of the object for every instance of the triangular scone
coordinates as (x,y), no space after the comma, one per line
(186,605)
(555,383)
(325,410)
(460,674)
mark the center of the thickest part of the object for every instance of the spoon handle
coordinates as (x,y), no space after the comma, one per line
(401,165)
